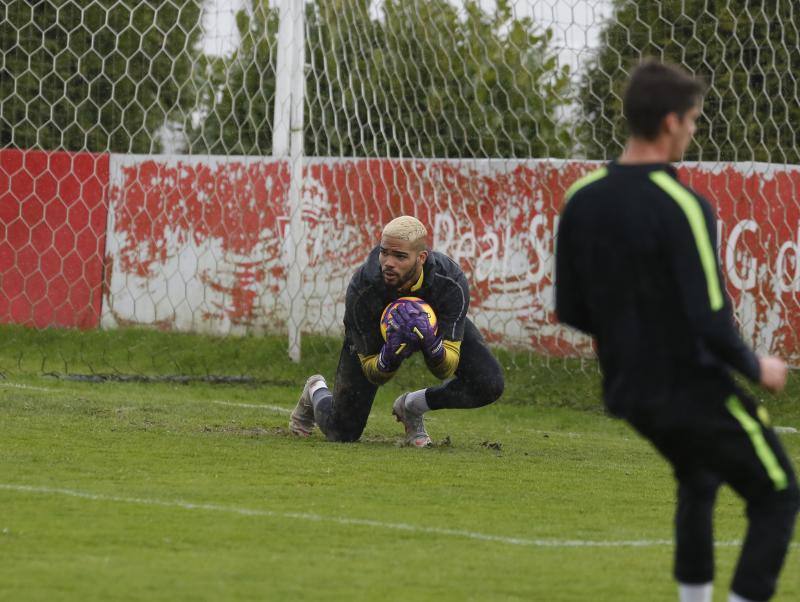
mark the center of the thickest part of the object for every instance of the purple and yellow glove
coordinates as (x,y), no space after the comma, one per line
(414,318)
(400,344)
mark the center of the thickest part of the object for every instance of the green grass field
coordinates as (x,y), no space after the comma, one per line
(162,491)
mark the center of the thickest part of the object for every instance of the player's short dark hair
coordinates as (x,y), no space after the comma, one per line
(654,91)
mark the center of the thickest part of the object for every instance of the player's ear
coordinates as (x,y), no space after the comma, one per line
(423,255)
(671,122)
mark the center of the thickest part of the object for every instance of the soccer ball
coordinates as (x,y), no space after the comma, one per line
(388,309)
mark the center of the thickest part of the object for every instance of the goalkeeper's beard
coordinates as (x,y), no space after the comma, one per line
(402,280)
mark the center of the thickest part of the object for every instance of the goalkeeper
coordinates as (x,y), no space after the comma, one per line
(636,268)
(401,265)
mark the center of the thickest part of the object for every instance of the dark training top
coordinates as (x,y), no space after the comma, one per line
(443,285)
(636,267)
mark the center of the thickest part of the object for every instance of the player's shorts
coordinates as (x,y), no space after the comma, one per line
(724,432)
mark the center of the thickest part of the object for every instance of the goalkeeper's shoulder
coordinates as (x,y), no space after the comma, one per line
(445,263)
(448,270)
(363,283)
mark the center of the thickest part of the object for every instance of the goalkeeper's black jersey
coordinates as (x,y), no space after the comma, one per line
(443,286)
(637,268)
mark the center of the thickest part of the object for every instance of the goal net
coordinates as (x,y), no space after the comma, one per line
(221,167)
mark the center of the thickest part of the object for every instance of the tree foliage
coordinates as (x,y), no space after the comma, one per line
(748,57)
(237,93)
(422,79)
(95,75)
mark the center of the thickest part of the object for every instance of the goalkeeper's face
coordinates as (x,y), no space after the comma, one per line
(401,262)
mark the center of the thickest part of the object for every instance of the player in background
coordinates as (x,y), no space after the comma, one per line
(401,265)
(636,268)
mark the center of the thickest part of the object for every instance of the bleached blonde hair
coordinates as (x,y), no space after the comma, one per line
(408,227)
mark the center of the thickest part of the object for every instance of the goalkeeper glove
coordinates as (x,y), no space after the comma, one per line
(416,320)
(400,344)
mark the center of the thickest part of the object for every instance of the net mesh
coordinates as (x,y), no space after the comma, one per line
(222,167)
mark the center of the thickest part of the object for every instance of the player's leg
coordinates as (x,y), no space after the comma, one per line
(478,379)
(752,460)
(694,534)
(769,532)
(478,382)
(301,420)
(696,495)
(341,414)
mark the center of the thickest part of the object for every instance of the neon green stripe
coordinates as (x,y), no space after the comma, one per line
(585,181)
(763,451)
(691,207)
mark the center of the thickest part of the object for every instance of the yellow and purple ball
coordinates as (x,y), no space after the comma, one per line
(389,308)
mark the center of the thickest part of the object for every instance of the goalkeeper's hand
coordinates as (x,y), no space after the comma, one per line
(400,344)
(414,318)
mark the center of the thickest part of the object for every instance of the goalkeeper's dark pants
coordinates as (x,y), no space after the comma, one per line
(726,439)
(342,416)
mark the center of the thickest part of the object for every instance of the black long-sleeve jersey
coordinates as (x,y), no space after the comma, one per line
(441,284)
(637,268)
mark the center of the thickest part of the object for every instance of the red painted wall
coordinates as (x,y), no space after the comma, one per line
(196,242)
(53,217)
(496,218)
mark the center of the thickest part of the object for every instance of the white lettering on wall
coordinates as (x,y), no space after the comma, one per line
(787,264)
(747,280)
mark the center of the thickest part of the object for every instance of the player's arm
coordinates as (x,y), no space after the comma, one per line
(452,320)
(379,360)
(400,344)
(371,369)
(446,367)
(571,308)
(442,347)
(692,253)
